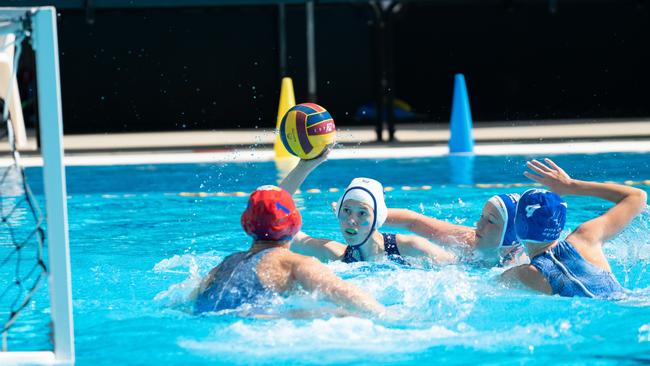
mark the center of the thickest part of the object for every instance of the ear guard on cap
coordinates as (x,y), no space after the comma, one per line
(370,192)
(506,204)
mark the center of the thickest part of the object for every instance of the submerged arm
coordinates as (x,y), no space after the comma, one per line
(440,232)
(323,249)
(415,246)
(314,276)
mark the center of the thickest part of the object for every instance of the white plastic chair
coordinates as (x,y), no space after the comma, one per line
(7,81)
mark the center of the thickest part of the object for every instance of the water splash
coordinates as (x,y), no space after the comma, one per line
(344,339)
(191,265)
(630,251)
(644,333)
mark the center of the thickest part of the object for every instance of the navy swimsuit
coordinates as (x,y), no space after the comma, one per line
(236,283)
(571,275)
(390,246)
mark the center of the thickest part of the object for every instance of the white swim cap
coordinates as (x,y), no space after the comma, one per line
(370,192)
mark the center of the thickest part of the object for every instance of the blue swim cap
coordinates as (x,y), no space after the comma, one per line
(506,204)
(540,216)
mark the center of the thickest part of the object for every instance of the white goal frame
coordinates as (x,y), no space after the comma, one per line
(45,44)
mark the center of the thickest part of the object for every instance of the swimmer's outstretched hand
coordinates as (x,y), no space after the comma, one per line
(320,158)
(294,179)
(551,175)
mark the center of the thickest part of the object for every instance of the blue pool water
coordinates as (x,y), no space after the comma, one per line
(138,248)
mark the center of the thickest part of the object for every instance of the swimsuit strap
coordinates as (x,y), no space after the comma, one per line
(348,256)
(391,249)
(238,284)
(390,244)
(248,255)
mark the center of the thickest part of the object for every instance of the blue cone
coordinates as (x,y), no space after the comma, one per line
(461,168)
(461,140)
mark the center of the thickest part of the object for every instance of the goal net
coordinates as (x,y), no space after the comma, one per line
(35,297)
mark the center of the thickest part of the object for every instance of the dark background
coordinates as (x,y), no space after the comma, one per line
(162,69)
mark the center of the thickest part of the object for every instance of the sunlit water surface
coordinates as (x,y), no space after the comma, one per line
(138,247)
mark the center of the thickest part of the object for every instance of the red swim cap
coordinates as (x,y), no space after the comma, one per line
(271,215)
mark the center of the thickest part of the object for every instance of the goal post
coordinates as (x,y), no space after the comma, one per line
(42,24)
(51,132)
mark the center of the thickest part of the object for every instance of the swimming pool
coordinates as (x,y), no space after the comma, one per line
(138,246)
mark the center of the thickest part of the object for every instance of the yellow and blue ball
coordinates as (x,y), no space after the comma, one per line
(306,129)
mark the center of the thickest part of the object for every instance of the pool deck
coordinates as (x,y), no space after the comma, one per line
(413,140)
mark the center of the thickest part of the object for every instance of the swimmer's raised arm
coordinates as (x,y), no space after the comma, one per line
(416,246)
(323,249)
(314,276)
(629,201)
(440,232)
(297,176)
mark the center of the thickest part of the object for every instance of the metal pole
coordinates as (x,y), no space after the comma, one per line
(389,68)
(282,38)
(380,67)
(51,130)
(311,51)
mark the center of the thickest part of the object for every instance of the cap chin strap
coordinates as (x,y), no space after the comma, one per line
(357,247)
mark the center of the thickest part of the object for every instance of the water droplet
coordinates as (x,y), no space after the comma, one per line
(565,325)
(644,333)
